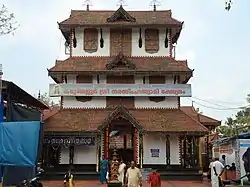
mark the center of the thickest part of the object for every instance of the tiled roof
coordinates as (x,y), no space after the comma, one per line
(50,112)
(155,120)
(189,110)
(78,64)
(99,17)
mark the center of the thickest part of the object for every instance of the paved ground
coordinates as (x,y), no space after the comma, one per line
(97,184)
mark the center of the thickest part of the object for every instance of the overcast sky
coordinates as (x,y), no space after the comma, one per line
(215,42)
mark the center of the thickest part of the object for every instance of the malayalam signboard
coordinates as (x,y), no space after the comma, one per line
(123,90)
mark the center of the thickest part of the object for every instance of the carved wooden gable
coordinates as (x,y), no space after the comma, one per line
(151,40)
(90,40)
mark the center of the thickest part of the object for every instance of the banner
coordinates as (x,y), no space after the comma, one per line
(245,158)
(182,90)
(19,143)
(87,141)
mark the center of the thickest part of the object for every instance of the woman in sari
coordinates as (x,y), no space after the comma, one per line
(104,167)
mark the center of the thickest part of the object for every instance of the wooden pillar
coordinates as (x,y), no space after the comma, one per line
(184,150)
(167,150)
(106,142)
(199,153)
(193,151)
(98,150)
(141,149)
(71,154)
(135,145)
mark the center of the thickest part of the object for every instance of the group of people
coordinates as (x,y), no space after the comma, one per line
(128,176)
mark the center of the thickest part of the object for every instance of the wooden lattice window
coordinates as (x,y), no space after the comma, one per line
(156,80)
(90,40)
(151,40)
(84,80)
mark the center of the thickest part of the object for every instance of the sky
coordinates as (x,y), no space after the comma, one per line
(215,42)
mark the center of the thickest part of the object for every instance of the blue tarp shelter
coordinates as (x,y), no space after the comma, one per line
(18,150)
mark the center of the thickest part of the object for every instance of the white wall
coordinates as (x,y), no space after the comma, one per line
(136,51)
(64,155)
(174,150)
(154,141)
(158,141)
(105,51)
(85,154)
(79,50)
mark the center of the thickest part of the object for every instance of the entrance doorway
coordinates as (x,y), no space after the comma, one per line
(121,138)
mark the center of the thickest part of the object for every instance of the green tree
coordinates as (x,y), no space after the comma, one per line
(8,23)
(240,123)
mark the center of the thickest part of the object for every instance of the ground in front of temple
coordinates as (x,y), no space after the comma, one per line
(164,184)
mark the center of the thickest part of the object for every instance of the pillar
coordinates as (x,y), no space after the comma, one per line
(141,149)
(199,153)
(71,155)
(98,151)
(135,145)
(106,142)
(167,150)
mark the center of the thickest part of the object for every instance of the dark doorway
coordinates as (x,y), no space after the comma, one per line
(121,138)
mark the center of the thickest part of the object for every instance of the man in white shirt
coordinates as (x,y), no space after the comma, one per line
(216,171)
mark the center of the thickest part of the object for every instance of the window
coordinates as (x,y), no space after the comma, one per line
(90,40)
(151,40)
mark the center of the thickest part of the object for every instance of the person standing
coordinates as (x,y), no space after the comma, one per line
(210,167)
(68,179)
(133,176)
(154,179)
(104,167)
(216,172)
(121,172)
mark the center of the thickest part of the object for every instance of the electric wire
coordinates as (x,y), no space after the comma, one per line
(216,108)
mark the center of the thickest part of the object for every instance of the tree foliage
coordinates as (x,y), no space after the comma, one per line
(240,123)
(7,21)
(48,100)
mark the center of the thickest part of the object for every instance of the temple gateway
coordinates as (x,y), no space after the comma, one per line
(120,89)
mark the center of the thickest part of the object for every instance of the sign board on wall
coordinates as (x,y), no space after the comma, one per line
(86,141)
(244,157)
(182,90)
(155,153)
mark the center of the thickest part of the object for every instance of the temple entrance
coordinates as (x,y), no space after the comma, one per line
(121,135)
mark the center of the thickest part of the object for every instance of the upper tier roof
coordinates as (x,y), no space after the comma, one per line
(121,18)
(101,17)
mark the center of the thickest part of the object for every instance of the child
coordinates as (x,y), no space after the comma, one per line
(154,179)
(68,179)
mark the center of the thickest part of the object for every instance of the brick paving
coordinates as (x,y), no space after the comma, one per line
(97,184)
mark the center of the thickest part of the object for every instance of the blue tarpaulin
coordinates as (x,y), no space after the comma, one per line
(19,143)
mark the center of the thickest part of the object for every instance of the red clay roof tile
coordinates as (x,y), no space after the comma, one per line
(189,110)
(99,17)
(99,64)
(155,120)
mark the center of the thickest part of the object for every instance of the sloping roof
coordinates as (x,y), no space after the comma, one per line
(100,17)
(50,112)
(205,120)
(80,64)
(154,120)
(18,95)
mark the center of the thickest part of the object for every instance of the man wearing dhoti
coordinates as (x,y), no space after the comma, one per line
(133,176)
(216,171)
(121,171)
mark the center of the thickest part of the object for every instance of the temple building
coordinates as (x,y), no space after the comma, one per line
(120,89)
